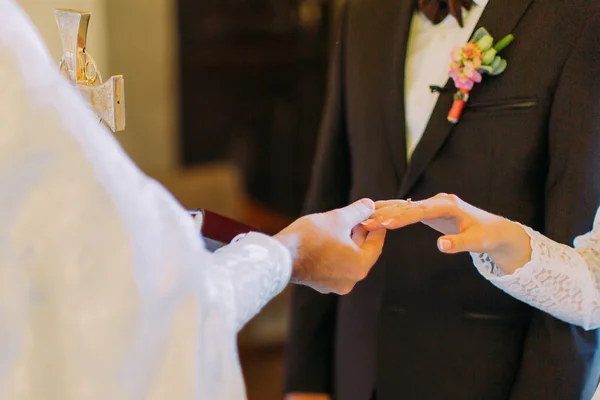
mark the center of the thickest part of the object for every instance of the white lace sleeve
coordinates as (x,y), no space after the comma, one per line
(248,273)
(560,280)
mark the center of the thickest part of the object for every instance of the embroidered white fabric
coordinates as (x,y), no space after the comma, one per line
(559,279)
(248,273)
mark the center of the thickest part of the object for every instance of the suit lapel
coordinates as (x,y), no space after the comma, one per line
(500,17)
(399,15)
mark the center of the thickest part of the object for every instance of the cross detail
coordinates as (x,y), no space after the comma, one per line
(107,99)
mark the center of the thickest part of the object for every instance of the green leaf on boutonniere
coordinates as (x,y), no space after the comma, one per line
(488,56)
(502,43)
(496,67)
(496,63)
(479,33)
(485,43)
(500,67)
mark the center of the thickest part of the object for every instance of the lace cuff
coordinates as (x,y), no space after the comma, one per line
(556,280)
(490,271)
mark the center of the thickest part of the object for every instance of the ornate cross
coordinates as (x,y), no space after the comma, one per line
(107,99)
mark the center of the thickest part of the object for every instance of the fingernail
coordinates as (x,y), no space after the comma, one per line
(367,222)
(386,223)
(444,244)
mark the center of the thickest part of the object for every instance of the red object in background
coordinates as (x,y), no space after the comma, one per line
(219,228)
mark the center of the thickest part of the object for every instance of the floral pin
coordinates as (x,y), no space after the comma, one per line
(478,57)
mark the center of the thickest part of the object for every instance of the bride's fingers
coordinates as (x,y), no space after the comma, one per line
(437,200)
(395,214)
(394,218)
(392,203)
(471,240)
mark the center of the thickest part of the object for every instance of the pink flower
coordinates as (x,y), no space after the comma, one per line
(463,69)
(455,65)
(460,81)
(465,76)
(469,71)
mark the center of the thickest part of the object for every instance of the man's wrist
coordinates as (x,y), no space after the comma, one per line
(291,242)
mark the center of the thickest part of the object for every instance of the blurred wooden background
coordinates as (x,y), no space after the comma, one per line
(252,76)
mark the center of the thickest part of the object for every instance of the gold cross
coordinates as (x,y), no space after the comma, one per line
(107,99)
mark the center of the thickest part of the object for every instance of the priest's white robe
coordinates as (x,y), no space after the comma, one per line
(106,290)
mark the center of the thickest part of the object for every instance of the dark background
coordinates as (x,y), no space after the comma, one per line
(254,78)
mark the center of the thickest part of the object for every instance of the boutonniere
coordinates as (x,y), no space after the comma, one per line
(476,58)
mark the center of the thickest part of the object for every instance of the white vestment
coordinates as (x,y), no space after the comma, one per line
(106,290)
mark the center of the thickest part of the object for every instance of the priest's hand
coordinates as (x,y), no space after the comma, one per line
(332,251)
(465,228)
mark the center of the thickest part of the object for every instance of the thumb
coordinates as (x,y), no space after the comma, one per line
(356,212)
(467,241)
(373,245)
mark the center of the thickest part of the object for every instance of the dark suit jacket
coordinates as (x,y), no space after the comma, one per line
(425,325)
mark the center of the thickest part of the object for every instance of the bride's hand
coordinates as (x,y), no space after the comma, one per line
(465,228)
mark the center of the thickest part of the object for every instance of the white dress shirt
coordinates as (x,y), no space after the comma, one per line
(106,290)
(427,63)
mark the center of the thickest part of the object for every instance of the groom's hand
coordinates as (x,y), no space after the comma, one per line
(331,251)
